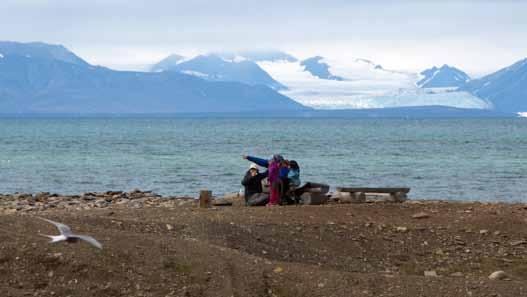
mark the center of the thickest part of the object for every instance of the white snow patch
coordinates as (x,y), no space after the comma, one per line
(185,59)
(430,78)
(1,56)
(239,59)
(236,59)
(522,114)
(195,73)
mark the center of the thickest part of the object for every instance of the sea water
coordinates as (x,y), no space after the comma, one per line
(463,159)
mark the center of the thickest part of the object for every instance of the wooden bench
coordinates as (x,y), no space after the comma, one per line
(358,195)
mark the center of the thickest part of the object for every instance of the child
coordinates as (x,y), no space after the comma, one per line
(294,174)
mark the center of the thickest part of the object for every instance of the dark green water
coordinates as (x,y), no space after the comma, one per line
(472,159)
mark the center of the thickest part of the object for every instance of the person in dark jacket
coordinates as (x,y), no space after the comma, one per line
(252,181)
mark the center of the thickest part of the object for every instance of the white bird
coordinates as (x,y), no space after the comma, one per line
(66,235)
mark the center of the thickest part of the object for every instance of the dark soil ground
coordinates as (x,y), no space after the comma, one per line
(374,249)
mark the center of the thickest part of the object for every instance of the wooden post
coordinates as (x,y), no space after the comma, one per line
(205,198)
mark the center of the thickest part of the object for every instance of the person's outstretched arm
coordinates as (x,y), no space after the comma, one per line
(258,161)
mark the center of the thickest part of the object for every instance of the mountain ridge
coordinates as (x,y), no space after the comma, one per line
(216,68)
(45,84)
(505,88)
(40,50)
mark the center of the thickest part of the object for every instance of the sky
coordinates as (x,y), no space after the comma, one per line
(477,36)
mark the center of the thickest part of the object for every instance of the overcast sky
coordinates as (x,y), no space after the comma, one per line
(477,36)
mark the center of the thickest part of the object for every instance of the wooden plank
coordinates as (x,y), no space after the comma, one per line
(373,190)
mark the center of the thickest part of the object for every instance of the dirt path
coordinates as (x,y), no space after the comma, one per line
(375,249)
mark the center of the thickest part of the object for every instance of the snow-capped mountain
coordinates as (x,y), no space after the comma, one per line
(443,77)
(506,88)
(216,68)
(362,84)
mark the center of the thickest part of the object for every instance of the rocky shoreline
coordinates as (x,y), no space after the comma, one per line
(42,201)
(135,199)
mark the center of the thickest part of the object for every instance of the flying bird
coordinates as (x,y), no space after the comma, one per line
(68,236)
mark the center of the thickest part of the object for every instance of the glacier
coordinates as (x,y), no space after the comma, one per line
(364,85)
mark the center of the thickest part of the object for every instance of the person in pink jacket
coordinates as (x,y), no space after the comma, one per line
(274,179)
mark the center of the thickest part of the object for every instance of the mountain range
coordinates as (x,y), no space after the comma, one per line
(39,78)
(325,83)
(42,78)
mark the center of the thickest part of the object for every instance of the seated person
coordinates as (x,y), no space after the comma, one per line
(294,174)
(252,181)
(290,181)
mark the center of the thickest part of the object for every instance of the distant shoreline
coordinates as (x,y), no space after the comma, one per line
(397,112)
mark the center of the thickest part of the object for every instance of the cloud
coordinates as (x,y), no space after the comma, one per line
(408,34)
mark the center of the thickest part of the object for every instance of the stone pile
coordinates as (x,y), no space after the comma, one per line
(25,202)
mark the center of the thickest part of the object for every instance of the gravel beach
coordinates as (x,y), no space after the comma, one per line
(167,246)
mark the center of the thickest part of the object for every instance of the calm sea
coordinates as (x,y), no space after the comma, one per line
(469,159)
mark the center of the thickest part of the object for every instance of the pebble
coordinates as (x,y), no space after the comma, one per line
(402,229)
(498,275)
(430,273)
(420,215)
(518,242)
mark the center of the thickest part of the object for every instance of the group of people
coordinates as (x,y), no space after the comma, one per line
(283,176)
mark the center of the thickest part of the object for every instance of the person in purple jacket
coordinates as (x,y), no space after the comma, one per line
(274,181)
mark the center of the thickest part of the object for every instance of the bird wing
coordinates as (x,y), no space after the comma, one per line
(63,229)
(88,239)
